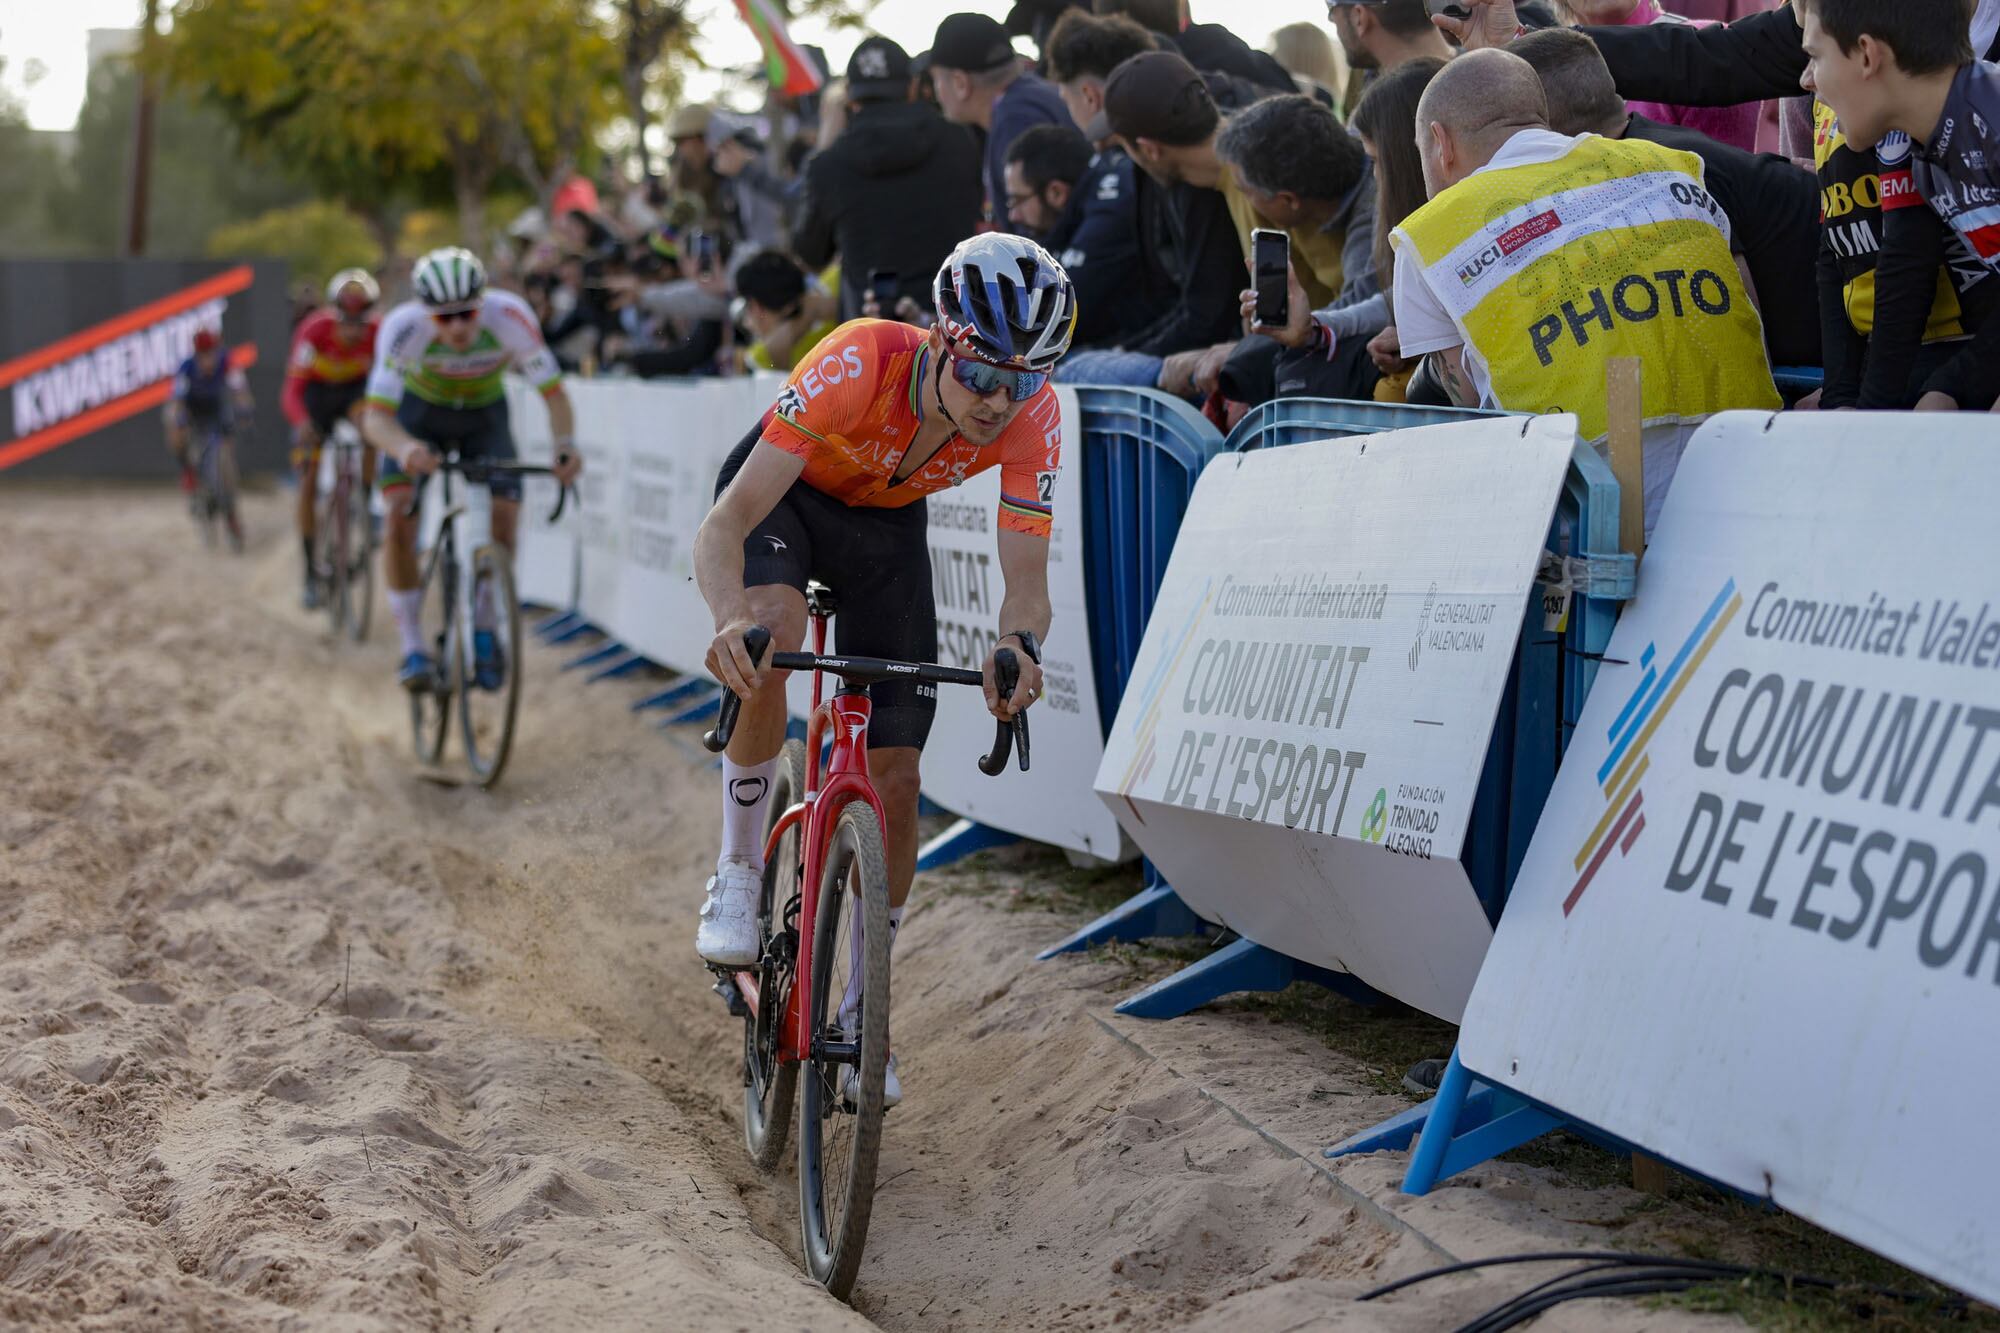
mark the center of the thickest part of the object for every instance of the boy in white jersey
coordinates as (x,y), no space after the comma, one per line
(436,385)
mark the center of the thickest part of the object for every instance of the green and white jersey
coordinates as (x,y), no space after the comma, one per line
(410,358)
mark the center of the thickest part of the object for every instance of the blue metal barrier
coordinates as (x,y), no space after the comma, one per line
(1546,686)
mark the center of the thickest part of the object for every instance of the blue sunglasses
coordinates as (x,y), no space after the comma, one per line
(985,379)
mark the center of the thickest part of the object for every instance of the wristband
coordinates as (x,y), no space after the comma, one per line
(565,442)
(1029,643)
(1324,340)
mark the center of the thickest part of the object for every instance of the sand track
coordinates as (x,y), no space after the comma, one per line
(292,1038)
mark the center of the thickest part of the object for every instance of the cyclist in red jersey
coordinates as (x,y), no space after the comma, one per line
(332,352)
(831,485)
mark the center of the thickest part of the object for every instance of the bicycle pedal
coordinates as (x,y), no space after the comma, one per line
(725,986)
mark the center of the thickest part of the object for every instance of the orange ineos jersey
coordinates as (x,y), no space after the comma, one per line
(852,407)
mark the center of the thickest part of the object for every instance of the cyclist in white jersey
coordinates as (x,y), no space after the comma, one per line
(436,384)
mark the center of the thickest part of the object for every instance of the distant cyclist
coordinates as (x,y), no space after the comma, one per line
(208,394)
(830,485)
(437,385)
(332,351)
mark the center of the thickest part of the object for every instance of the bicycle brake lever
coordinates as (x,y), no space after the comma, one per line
(756,639)
(562,498)
(1006,675)
(1021,738)
(416,504)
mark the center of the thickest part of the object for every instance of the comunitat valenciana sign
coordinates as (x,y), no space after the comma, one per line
(1301,742)
(1758,931)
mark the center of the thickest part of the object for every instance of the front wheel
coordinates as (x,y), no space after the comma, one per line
(840,1119)
(769,1084)
(489,684)
(430,710)
(359,548)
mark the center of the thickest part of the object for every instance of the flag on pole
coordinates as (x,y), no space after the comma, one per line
(789,69)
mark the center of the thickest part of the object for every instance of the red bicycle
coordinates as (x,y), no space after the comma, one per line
(823,917)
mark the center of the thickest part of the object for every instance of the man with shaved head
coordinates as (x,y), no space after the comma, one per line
(1542,256)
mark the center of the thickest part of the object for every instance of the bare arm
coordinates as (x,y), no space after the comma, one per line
(1024,564)
(1449,367)
(380,428)
(562,425)
(718,558)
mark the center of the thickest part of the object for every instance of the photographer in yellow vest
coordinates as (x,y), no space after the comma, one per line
(1541,256)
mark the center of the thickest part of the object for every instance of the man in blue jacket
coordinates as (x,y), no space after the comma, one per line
(980,81)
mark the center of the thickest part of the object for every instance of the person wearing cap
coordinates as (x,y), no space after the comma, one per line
(692,175)
(1160,107)
(896,191)
(1189,264)
(1209,47)
(980,81)
(1381,34)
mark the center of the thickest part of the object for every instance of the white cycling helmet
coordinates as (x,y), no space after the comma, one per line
(1008,300)
(352,291)
(449,276)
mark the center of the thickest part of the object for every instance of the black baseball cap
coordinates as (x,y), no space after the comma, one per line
(1158,95)
(972,42)
(878,71)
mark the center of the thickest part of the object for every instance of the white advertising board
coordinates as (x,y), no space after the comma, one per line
(544,554)
(1316,690)
(1758,930)
(602,438)
(1052,802)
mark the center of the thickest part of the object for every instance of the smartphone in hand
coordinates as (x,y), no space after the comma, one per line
(1270,268)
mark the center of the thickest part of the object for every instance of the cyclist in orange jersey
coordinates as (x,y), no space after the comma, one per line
(831,486)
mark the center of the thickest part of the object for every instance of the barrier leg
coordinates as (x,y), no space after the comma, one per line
(556,623)
(1154,911)
(1241,966)
(575,630)
(678,692)
(700,709)
(623,666)
(597,656)
(960,841)
(1453,1141)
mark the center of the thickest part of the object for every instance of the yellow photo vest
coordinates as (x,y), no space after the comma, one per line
(1550,269)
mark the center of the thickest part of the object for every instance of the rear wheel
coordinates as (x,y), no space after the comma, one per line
(359,583)
(840,1123)
(768,1085)
(430,710)
(486,713)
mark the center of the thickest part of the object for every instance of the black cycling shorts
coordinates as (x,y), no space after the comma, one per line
(326,404)
(878,563)
(476,432)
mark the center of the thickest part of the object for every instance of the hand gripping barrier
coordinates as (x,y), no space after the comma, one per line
(1551,675)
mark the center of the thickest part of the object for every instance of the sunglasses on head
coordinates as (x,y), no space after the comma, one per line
(454,316)
(985,379)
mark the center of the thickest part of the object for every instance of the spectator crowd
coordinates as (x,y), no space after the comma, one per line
(1481,208)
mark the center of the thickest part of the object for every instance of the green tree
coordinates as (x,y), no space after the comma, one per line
(371,100)
(29,171)
(319,238)
(202,178)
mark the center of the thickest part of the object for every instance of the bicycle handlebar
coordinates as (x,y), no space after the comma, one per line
(477,470)
(1011,734)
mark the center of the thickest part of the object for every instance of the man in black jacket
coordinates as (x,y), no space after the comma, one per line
(1772,204)
(896,191)
(1209,47)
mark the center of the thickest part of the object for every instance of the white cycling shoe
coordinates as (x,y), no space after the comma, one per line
(727,936)
(892,1087)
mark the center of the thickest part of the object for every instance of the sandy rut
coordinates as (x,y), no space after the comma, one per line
(292,1038)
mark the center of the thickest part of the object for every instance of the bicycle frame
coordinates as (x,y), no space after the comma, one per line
(463,528)
(846,777)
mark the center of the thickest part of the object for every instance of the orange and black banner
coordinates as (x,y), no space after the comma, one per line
(89,349)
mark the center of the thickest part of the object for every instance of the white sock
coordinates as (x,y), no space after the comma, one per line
(850,999)
(484,616)
(408,608)
(745,790)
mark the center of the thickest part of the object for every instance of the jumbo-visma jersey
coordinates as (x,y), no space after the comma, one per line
(852,407)
(1613,249)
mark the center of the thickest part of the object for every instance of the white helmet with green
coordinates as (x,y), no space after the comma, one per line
(449,276)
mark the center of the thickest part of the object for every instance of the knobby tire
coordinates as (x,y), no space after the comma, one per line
(768,1085)
(836,1189)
